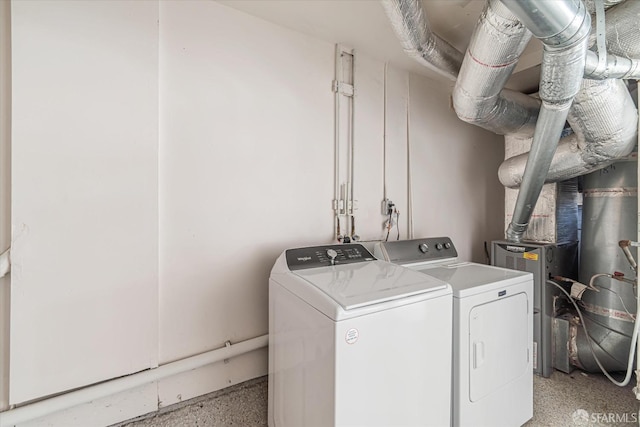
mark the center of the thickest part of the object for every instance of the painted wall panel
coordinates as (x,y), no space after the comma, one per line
(246,167)
(5,192)
(396,143)
(84,160)
(170,166)
(368,145)
(454,173)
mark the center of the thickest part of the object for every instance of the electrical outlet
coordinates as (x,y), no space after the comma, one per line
(387,207)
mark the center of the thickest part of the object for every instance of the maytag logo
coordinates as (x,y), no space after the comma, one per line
(515,248)
(305,258)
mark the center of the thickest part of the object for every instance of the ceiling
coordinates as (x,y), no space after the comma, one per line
(363,26)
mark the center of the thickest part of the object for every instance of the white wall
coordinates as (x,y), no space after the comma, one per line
(84,192)
(5,191)
(454,167)
(245,164)
(244,158)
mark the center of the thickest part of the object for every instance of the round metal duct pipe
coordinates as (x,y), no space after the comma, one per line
(609,214)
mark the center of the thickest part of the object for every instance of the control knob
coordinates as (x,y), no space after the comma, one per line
(447,245)
(439,246)
(332,254)
(424,248)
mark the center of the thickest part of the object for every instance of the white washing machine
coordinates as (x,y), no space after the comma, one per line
(492,331)
(357,342)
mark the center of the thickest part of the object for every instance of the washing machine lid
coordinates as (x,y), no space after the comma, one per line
(364,284)
(469,278)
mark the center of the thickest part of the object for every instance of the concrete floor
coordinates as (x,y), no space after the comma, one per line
(580,399)
(563,400)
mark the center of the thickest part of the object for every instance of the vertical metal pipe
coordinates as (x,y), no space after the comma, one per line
(543,148)
(563,26)
(555,23)
(336,147)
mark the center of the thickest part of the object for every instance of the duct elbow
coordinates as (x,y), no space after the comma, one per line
(506,113)
(515,232)
(413,30)
(479,97)
(611,348)
(604,118)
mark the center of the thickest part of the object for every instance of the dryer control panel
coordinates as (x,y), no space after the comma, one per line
(327,255)
(417,250)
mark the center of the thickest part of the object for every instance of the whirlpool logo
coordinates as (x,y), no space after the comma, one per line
(304,258)
(515,248)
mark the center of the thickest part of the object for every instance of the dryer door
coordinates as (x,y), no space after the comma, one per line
(498,344)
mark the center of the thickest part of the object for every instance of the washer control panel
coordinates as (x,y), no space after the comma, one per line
(417,250)
(327,255)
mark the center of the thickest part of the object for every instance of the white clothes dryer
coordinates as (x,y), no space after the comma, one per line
(357,342)
(492,331)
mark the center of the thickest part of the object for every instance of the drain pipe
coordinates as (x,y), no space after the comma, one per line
(88,394)
(565,40)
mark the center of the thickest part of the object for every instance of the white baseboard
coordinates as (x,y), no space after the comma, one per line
(150,398)
(105,411)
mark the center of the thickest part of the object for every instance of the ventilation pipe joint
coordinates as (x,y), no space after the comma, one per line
(417,39)
(479,96)
(564,28)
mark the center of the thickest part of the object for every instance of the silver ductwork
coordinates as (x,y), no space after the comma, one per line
(609,215)
(622,44)
(479,96)
(603,117)
(580,85)
(419,42)
(565,39)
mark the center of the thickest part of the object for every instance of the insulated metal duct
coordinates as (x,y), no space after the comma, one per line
(412,28)
(599,109)
(563,27)
(479,96)
(622,44)
(609,215)
(603,117)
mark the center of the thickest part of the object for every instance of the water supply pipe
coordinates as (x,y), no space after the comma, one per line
(68,400)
